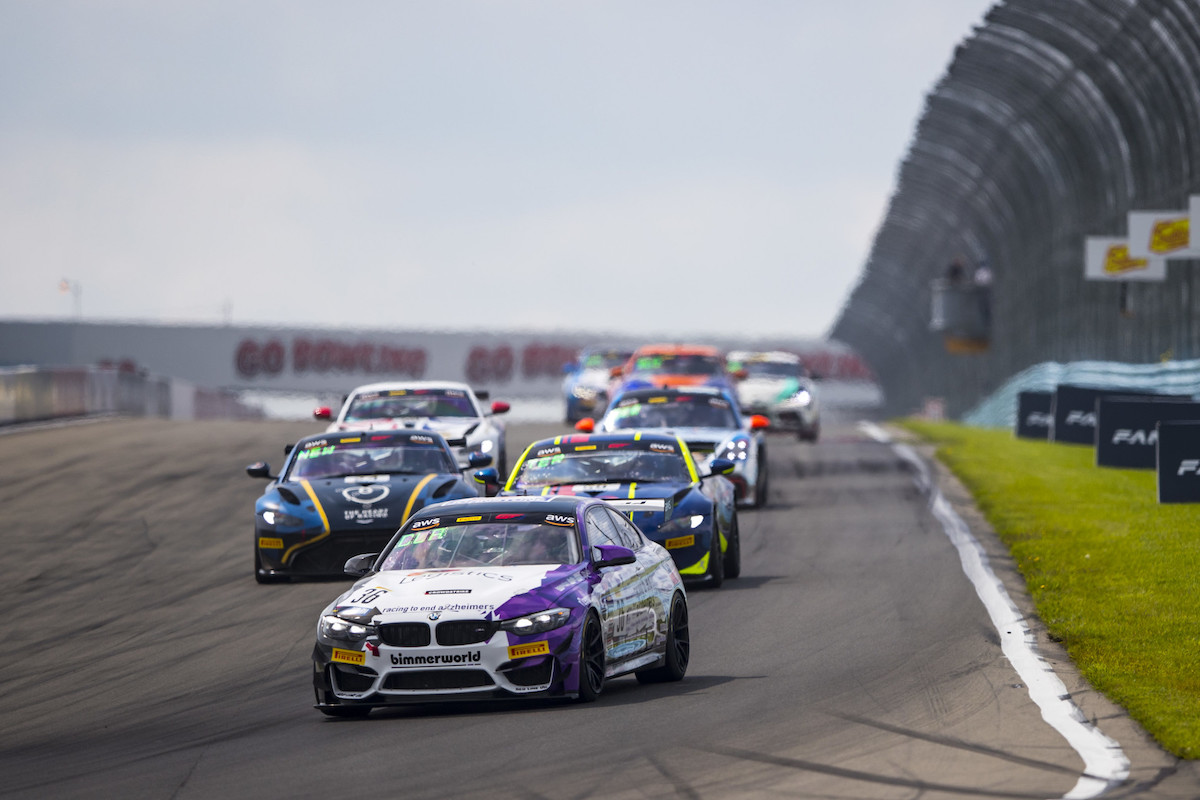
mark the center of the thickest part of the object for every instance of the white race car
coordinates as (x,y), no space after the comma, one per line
(776,385)
(451,409)
(502,597)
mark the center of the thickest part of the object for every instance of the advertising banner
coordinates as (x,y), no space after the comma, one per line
(1160,234)
(1127,428)
(1034,416)
(1178,462)
(1107,258)
(1074,410)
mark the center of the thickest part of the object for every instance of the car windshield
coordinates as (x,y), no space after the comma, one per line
(495,544)
(418,403)
(772,369)
(339,459)
(667,364)
(603,466)
(684,411)
(605,360)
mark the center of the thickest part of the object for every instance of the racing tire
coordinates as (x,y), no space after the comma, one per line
(733,551)
(716,559)
(260,576)
(679,648)
(591,660)
(763,483)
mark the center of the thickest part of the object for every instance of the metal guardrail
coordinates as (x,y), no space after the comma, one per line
(1053,121)
(30,394)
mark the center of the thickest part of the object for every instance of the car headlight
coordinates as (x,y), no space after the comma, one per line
(537,623)
(584,392)
(801,398)
(686,522)
(283,519)
(487,446)
(333,628)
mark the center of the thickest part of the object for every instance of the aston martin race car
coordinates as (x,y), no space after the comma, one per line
(711,423)
(451,409)
(585,382)
(652,478)
(777,385)
(502,597)
(340,494)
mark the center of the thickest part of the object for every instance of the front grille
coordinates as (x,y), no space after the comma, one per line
(351,679)
(467,631)
(433,679)
(404,634)
(329,556)
(790,417)
(532,676)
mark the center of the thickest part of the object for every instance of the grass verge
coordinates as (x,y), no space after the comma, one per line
(1114,575)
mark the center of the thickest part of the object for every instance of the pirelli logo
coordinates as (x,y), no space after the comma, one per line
(349,656)
(678,542)
(269,543)
(527,650)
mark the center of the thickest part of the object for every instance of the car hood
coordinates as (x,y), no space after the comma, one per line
(365,500)
(651,504)
(467,593)
(449,427)
(767,390)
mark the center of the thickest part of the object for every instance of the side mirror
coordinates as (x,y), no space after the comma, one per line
(488,477)
(720,466)
(740,374)
(288,448)
(360,565)
(478,458)
(322,412)
(587,425)
(259,469)
(482,394)
(612,555)
(758,421)
(616,372)
(500,407)
(568,368)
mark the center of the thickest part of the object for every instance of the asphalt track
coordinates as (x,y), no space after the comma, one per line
(852,659)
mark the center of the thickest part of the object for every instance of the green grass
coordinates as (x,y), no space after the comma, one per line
(1114,575)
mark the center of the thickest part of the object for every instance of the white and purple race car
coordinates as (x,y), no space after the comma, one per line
(502,597)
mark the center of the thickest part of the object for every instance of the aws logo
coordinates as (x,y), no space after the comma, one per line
(1085,419)
(1127,436)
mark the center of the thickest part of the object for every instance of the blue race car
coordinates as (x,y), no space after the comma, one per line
(652,478)
(341,494)
(585,382)
(502,597)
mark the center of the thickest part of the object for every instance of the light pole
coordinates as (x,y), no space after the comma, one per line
(76,290)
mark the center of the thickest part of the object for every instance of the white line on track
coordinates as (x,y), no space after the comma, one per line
(1105,764)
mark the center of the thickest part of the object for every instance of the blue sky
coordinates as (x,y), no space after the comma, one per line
(651,167)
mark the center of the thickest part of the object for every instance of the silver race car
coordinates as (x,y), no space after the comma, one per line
(451,409)
(777,385)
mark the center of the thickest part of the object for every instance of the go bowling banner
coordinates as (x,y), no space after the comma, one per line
(1034,417)
(1127,428)
(1178,462)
